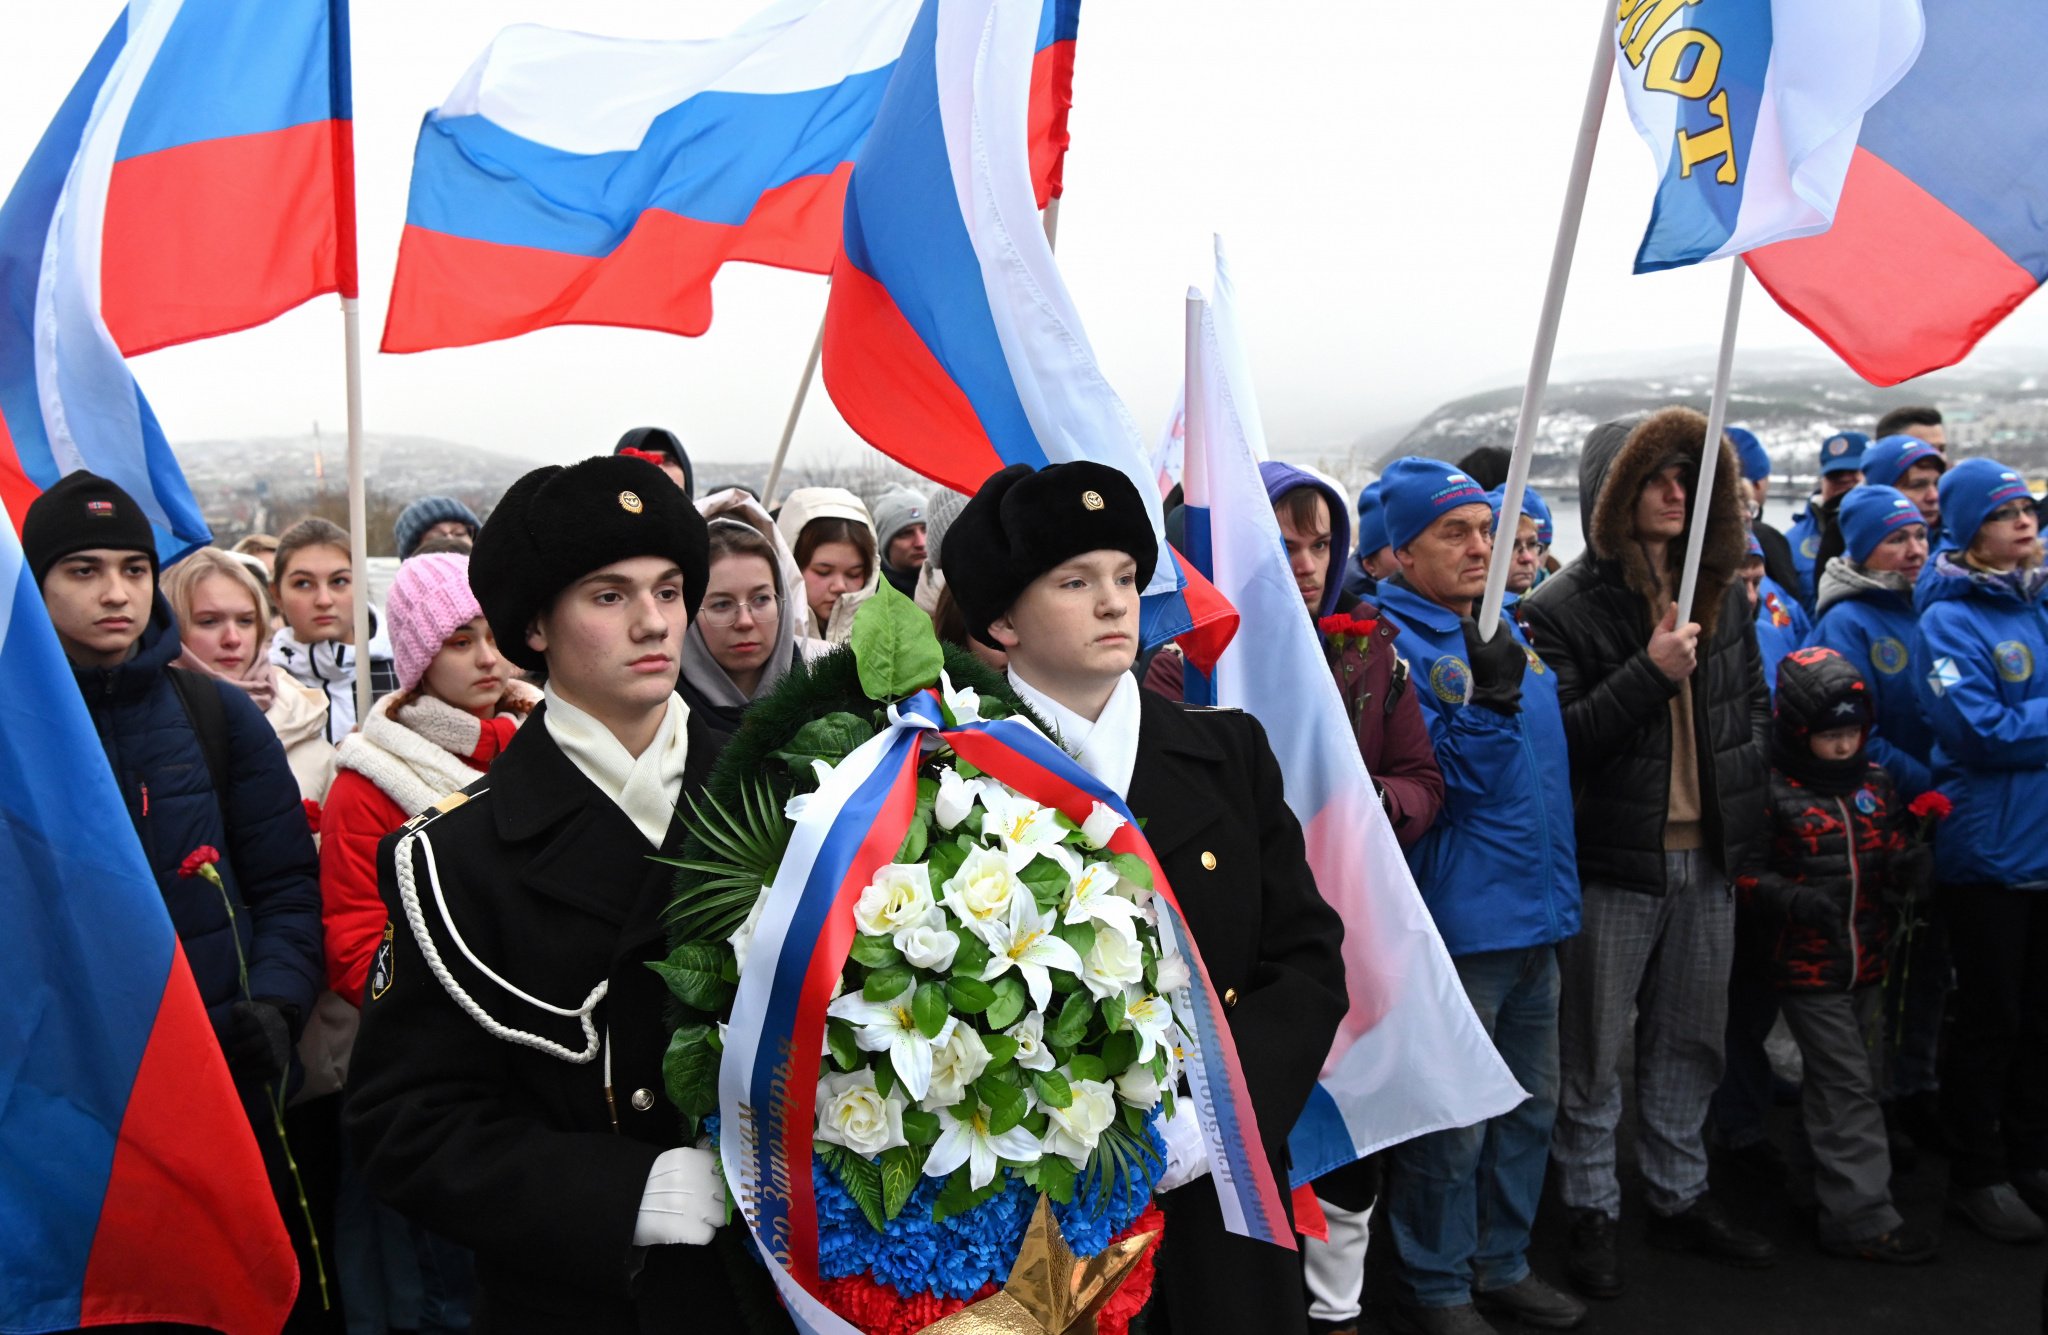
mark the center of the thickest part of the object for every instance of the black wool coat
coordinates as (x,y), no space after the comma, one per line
(1211,797)
(519,1155)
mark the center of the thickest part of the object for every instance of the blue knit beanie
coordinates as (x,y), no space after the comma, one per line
(1372,521)
(415,519)
(1755,459)
(1532,508)
(1887,461)
(1971,490)
(1869,515)
(1415,492)
(1843,452)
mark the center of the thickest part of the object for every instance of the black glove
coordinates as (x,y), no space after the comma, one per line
(1812,906)
(257,1042)
(1912,876)
(1497,667)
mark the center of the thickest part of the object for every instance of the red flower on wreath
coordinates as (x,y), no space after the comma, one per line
(198,860)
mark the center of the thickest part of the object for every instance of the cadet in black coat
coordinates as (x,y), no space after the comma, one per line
(1047,566)
(506,1089)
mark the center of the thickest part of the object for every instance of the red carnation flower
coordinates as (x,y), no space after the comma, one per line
(1931,806)
(312,809)
(1334,624)
(199,858)
(1364,625)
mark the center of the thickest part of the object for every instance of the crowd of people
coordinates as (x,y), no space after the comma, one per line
(1640,828)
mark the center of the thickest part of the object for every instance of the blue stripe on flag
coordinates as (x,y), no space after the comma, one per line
(1695,215)
(219,75)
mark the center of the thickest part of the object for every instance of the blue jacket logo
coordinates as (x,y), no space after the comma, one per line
(1810,546)
(1865,802)
(1888,656)
(2015,661)
(1451,680)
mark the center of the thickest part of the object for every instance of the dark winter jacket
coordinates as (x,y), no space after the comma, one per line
(1386,715)
(1980,665)
(268,863)
(1867,617)
(1591,624)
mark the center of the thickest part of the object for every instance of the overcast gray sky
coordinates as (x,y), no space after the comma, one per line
(1386,177)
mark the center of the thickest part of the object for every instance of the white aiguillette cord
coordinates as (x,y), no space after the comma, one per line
(408,894)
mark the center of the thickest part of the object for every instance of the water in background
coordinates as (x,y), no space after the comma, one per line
(1568,539)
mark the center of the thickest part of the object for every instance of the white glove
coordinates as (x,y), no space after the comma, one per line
(684,1202)
(1187,1154)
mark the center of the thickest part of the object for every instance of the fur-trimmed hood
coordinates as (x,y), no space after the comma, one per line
(1619,457)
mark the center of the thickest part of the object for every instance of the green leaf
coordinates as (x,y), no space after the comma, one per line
(861,1178)
(839,1037)
(885,1076)
(1072,1024)
(689,1070)
(957,1197)
(1006,1103)
(830,739)
(1113,1012)
(944,858)
(1001,1049)
(1080,935)
(1085,1067)
(874,952)
(914,840)
(1036,1122)
(1119,1053)
(895,649)
(901,1167)
(692,971)
(1011,998)
(1048,881)
(1134,1119)
(1132,868)
(970,996)
(920,1127)
(884,984)
(1056,1178)
(972,956)
(928,1008)
(1053,1089)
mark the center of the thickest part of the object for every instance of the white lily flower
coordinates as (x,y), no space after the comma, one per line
(1025,828)
(967,1141)
(887,1026)
(980,893)
(956,1064)
(963,702)
(899,896)
(1024,942)
(1093,896)
(851,1112)
(956,798)
(1101,826)
(1032,1053)
(1112,964)
(794,808)
(1138,1087)
(1151,1018)
(928,944)
(743,938)
(1073,1130)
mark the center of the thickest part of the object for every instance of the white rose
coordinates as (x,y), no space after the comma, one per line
(853,1114)
(1101,826)
(1138,1087)
(1032,1054)
(956,1064)
(928,945)
(1074,1129)
(1113,963)
(979,893)
(743,938)
(963,701)
(955,799)
(900,896)
(1173,973)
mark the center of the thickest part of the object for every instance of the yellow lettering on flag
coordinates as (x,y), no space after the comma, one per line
(1663,76)
(1693,149)
(1641,21)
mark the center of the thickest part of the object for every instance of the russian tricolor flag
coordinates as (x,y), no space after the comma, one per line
(573,179)
(1410,1057)
(196,181)
(131,1188)
(1751,110)
(951,343)
(1943,226)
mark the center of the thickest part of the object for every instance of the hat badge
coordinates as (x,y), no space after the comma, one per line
(1091,500)
(631,503)
(100,509)
(1838,446)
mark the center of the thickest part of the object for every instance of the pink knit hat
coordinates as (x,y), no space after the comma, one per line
(429,601)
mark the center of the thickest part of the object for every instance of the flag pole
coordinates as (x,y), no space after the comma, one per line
(1051,218)
(1710,456)
(1546,323)
(796,409)
(358,504)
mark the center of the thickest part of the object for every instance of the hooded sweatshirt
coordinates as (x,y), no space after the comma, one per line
(704,685)
(802,506)
(330,666)
(1283,478)
(1867,617)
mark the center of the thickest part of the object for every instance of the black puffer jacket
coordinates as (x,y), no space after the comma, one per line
(1591,623)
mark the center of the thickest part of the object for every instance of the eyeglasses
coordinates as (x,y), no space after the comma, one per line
(2011,510)
(723,612)
(1531,547)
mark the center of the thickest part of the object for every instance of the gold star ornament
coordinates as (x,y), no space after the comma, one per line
(1050,1291)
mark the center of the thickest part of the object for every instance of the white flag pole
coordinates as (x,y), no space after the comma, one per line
(796,409)
(1717,416)
(1546,324)
(1051,218)
(358,504)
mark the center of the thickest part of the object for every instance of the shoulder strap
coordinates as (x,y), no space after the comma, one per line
(201,698)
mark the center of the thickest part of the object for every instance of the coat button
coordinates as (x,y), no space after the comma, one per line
(1230,996)
(1208,860)
(643,1099)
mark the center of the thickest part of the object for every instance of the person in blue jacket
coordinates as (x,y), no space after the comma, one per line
(1781,621)
(1980,659)
(1532,538)
(1499,873)
(1915,468)
(1841,469)
(1371,562)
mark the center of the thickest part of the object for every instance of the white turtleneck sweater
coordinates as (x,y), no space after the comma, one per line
(1107,745)
(646,788)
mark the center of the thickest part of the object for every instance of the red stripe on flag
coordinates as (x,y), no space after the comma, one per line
(1309,1219)
(220,235)
(1213,616)
(1900,285)
(892,390)
(16,491)
(453,291)
(189,1231)
(1052,97)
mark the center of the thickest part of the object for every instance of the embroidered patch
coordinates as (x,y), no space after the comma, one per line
(1943,675)
(100,509)
(631,503)
(1091,500)
(1866,802)
(2015,661)
(1535,662)
(1888,655)
(380,966)
(1451,680)
(1779,616)
(1810,546)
